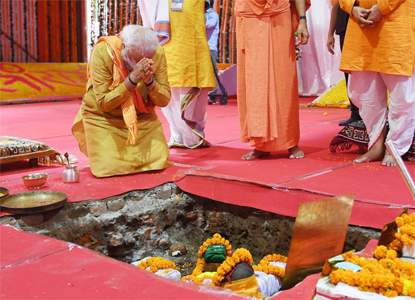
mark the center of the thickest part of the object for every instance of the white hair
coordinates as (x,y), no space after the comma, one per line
(141,38)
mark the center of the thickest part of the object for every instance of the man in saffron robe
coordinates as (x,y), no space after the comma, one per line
(379,51)
(267,76)
(117,127)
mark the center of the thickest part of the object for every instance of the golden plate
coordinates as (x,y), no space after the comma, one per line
(32,202)
(3,192)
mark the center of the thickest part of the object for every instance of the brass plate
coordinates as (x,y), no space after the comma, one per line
(32,202)
(319,232)
(3,192)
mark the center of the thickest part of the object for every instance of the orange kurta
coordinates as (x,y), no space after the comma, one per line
(387,47)
(266,75)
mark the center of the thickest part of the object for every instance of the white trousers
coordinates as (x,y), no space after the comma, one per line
(368,91)
(186,114)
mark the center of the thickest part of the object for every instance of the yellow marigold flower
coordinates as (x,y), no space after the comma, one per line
(396,245)
(408,229)
(406,218)
(399,221)
(407,239)
(406,286)
(380,252)
(391,293)
(327,268)
(391,254)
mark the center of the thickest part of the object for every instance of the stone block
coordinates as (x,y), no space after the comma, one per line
(79,212)
(116,205)
(164,194)
(98,209)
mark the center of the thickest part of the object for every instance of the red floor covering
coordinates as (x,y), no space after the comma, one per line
(275,184)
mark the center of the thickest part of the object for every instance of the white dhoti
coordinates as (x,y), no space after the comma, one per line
(368,91)
(186,114)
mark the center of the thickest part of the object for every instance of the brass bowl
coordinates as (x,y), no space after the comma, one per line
(3,192)
(35,181)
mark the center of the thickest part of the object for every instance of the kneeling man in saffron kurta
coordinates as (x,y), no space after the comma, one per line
(117,126)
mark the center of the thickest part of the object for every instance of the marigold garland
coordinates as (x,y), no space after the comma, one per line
(266,267)
(198,270)
(390,276)
(216,240)
(240,255)
(384,252)
(406,225)
(156,263)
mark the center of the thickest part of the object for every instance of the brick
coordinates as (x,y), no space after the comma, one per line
(146,235)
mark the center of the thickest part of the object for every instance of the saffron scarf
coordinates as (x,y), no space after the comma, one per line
(120,72)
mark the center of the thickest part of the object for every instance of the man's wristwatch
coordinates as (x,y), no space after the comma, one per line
(303,18)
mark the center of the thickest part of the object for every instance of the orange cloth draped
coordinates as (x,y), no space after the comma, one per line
(387,47)
(267,75)
(120,72)
(247,287)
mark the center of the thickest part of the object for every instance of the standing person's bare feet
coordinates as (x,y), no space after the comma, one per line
(376,153)
(296,152)
(388,160)
(255,154)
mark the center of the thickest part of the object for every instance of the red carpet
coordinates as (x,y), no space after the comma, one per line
(275,184)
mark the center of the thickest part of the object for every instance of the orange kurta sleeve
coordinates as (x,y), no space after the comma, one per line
(387,6)
(347,5)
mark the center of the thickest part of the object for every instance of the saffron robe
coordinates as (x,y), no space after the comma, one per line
(267,84)
(100,129)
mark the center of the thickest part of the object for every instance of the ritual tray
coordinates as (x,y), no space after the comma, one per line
(3,192)
(32,202)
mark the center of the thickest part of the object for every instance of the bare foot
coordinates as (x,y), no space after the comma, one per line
(255,154)
(388,161)
(376,153)
(296,152)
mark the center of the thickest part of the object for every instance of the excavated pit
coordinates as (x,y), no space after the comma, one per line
(143,223)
